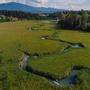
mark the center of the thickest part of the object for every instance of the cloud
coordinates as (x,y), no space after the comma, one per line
(37,3)
(63,4)
(42,1)
(24,1)
(70,4)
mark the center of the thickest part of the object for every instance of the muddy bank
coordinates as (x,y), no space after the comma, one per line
(24,61)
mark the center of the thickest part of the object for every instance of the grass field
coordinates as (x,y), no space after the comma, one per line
(16,35)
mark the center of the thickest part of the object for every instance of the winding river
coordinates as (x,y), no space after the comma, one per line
(71,79)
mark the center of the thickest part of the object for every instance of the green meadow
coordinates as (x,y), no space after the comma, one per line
(26,36)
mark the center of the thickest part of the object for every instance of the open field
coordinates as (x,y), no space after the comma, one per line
(25,35)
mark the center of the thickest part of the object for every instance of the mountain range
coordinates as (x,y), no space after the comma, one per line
(13,6)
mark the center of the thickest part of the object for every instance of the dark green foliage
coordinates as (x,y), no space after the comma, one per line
(4,80)
(84,20)
(1,61)
(74,20)
(4,19)
(20,15)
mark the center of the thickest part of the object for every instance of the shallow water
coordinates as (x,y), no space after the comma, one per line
(69,80)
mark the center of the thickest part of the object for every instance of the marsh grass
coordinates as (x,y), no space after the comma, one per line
(14,36)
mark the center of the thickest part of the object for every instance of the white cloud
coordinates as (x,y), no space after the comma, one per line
(4,1)
(24,1)
(42,1)
(63,4)
(70,4)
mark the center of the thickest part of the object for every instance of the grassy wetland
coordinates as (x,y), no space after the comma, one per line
(41,39)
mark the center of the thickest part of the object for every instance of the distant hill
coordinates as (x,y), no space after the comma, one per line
(22,7)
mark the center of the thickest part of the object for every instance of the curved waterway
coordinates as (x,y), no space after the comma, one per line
(69,80)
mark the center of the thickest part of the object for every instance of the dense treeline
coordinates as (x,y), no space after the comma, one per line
(78,20)
(19,15)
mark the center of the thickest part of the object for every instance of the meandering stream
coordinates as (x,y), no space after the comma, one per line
(69,46)
(71,79)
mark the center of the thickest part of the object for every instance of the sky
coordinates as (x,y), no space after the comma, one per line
(62,4)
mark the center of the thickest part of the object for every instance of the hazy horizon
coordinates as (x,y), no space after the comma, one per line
(60,4)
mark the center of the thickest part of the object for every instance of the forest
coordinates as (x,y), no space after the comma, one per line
(79,20)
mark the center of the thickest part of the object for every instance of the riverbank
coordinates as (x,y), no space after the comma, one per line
(69,80)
